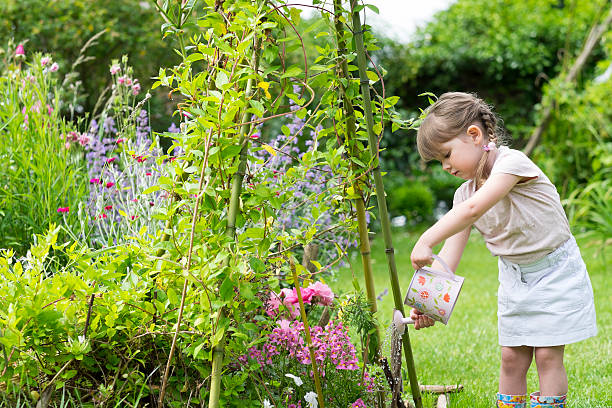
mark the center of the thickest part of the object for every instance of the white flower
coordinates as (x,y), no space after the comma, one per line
(298,381)
(267,404)
(311,399)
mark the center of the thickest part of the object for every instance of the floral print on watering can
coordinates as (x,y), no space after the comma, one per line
(434,293)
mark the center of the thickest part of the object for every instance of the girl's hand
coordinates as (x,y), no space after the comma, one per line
(422,255)
(420,320)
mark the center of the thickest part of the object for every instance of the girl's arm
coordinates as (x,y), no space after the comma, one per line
(451,254)
(462,216)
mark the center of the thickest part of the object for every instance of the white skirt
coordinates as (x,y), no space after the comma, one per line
(546,303)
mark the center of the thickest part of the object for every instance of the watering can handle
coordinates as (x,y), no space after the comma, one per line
(444,265)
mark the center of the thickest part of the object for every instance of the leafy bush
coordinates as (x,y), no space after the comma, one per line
(62,28)
(413,200)
(504,51)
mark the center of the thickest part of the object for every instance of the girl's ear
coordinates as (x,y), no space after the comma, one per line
(475,134)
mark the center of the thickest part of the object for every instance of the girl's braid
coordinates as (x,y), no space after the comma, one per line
(489,121)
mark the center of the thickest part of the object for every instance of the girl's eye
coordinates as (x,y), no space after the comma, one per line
(447,155)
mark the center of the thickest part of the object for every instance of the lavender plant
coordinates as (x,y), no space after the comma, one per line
(124,163)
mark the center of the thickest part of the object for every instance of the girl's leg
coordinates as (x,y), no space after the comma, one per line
(515,362)
(551,371)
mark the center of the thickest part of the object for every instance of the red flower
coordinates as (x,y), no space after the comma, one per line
(63,209)
(95,181)
(446,298)
(148,173)
(120,140)
(421,279)
(109,184)
(112,159)
(108,207)
(424,294)
(103,215)
(133,217)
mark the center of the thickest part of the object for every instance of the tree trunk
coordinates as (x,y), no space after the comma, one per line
(593,38)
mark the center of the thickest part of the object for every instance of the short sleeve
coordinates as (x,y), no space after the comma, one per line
(461,194)
(514,162)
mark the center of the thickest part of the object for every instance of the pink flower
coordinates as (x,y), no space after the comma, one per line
(63,209)
(136,88)
(358,404)
(20,51)
(121,80)
(110,160)
(45,60)
(255,136)
(84,139)
(108,207)
(148,173)
(49,110)
(114,69)
(95,181)
(120,140)
(54,67)
(322,293)
(272,304)
(109,184)
(133,217)
(103,216)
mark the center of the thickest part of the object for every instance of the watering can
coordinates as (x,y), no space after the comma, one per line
(433,293)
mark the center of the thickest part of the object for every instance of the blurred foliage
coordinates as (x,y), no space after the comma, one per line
(61,28)
(503,50)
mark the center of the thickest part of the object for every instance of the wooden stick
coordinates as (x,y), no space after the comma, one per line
(442,401)
(441,389)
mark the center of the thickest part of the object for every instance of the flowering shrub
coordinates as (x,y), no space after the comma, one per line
(124,161)
(316,293)
(285,357)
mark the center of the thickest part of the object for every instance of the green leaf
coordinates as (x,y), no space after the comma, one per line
(226,291)
(372,76)
(194,57)
(293,71)
(151,189)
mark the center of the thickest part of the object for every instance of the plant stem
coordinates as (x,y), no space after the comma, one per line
(315,370)
(349,112)
(382,203)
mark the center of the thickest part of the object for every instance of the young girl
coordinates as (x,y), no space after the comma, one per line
(545,298)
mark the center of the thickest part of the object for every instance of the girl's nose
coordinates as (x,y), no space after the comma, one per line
(446,165)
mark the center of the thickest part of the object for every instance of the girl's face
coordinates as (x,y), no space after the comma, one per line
(460,155)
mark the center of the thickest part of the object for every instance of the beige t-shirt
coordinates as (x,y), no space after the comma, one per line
(529,222)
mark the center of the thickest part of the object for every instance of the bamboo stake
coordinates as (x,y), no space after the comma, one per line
(219,349)
(382,203)
(364,239)
(313,361)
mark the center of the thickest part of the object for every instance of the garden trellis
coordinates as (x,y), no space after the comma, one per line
(233,34)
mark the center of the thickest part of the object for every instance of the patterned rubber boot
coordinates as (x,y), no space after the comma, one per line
(511,401)
(538,401)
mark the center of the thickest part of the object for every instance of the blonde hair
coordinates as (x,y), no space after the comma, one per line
(451,116)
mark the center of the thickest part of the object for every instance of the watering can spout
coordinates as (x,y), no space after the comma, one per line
(400,321)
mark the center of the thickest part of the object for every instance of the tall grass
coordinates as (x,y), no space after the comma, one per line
(39,168)
(467,352)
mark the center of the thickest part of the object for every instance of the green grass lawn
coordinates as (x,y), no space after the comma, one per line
(466,351)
